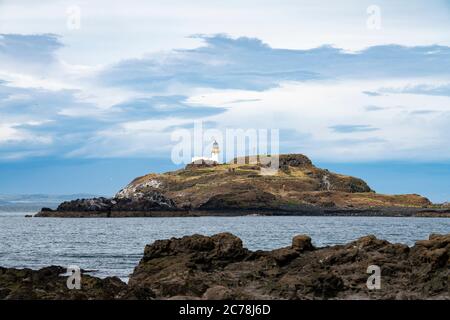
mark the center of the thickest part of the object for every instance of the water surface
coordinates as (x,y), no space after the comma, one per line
(115,246)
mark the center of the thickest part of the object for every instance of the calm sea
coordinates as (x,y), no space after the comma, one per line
(115,246)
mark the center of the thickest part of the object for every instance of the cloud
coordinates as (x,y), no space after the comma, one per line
(158,107)
(372,93)
(373,108)
(31,116)
(249,64)
(39,48)
(315,97)
(349,128)
(39,102)
(242,101)
(422,89)
(425,112)
(25,55)
(223,63)
(37,121)
(190,125)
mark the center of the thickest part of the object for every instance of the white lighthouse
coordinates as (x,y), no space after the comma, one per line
(215,151)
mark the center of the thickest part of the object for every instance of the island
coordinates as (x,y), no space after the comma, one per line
(208,188)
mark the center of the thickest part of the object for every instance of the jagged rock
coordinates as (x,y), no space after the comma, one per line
(96,204)
(150,201)
(435,251)
(321,285)
(218,293)
(302,243)
(136,293)
(222,245)
(284,256)
(219,267)
(294,160)
(48,284)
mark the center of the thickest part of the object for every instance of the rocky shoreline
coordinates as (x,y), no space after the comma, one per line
(303,211)
(219,267)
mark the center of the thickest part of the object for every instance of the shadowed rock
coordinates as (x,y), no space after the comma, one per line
(152,201)
(219,267)
(302,243)
(48,284)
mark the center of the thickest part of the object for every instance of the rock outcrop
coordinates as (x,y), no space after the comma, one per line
(219,267)
(48,284)
(298,187)
(151,201)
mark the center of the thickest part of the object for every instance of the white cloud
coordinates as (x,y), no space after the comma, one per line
(150,26)
(335,103)
(9,134)
(136,139)
(403,132)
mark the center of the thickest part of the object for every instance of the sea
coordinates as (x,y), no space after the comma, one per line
(114,246)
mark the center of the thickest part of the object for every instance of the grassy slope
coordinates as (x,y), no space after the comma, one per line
(234,185)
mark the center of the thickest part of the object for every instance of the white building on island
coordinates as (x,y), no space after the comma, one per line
(215,151)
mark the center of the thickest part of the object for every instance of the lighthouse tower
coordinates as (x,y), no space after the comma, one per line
(215,152)
(214,156)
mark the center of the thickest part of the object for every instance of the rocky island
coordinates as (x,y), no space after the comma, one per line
(238,188)
(219,267)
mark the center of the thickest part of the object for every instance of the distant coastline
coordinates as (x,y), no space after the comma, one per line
(31,203)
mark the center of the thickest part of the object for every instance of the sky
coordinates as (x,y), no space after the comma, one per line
(90,91)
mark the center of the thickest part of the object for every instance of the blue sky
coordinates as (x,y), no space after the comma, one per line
(88,109)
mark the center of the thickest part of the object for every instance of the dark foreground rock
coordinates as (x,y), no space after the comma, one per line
(219,267)
(48,284)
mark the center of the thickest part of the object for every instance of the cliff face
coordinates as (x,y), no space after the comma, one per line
(220,267)
(239,185)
